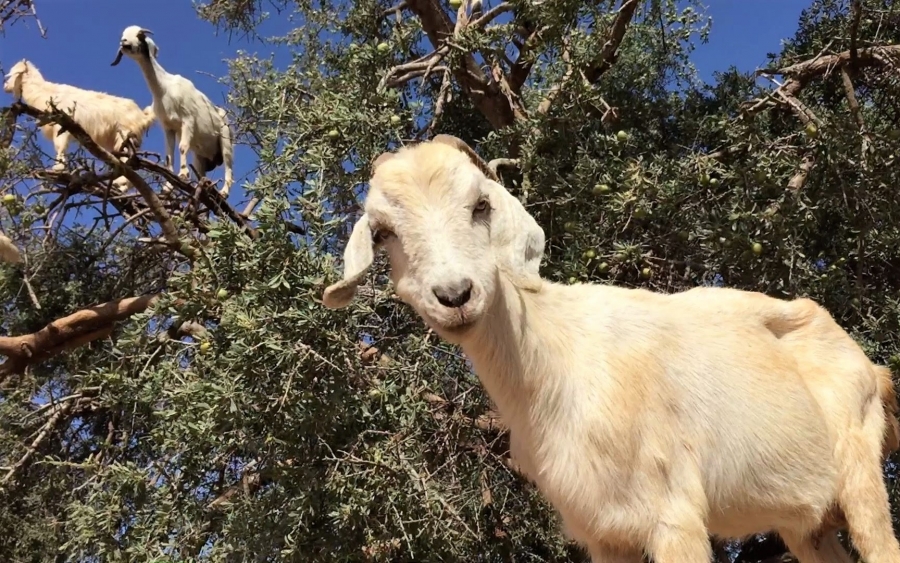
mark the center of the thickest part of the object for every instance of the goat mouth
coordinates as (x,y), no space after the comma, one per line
(458,323)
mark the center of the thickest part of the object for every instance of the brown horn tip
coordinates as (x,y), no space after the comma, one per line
(463,147)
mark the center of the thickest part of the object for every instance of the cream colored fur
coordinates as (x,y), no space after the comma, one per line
(109,120)
(648,420)
(183,111)
(8,251)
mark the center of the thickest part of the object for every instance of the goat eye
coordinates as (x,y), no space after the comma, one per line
(381,235)
(482,206)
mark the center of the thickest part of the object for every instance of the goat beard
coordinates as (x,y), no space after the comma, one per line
(118,58)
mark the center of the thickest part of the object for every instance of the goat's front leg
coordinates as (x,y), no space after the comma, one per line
(184,145)
(60,142)
(680,536)
(170,157)
(170,150)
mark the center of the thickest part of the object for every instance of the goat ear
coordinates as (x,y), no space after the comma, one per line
(516,238)
(358,257)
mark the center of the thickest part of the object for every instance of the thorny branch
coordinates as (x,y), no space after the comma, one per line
(56,411)
(799,75)
(11,11)
(46,430)
(604,60)
(68,124)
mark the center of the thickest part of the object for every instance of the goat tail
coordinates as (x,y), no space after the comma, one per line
(889,399)
(149,118)
(8,251)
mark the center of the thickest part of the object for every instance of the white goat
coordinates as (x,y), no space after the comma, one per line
(8,251)
(182,110)
(647,420)
(109,120)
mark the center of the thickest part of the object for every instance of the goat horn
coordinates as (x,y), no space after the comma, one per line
(382,158)
(146,31)
(118,58)
(461,145)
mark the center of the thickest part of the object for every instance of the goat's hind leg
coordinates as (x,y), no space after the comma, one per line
(125,141)
(863,496)
(603,554)
(828,550)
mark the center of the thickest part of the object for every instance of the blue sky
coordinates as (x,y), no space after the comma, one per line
(82,37)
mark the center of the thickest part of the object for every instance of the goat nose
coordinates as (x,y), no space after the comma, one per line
(455,294)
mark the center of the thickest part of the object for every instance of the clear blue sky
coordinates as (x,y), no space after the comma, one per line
(83,35)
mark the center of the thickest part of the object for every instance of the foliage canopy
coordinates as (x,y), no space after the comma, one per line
(214,410)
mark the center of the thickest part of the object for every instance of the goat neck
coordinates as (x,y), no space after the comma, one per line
(518,347)
(154,74)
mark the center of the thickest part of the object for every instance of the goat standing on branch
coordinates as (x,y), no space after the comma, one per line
(183,111)
(647,420)
(109,120)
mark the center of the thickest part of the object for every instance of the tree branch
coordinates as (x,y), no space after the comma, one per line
(12,11)
(605,60)
(798,180)
(853,103)
(46,429)
(800,74)
(71,126)
(68,332)
(487,98)
(856,15)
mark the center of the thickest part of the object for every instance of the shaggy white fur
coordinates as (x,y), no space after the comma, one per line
(109,120)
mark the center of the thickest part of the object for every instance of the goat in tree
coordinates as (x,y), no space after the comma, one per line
(649,421)
(183,111)
(109,120)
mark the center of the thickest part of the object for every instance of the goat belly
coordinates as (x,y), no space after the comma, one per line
(761,443)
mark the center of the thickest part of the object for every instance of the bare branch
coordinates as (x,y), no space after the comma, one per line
(490,15)
(798,180)
(852,102)
(68,332)
(856,15)
(472,80)
(11,11)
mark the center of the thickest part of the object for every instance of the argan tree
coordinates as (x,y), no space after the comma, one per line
(173,388)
